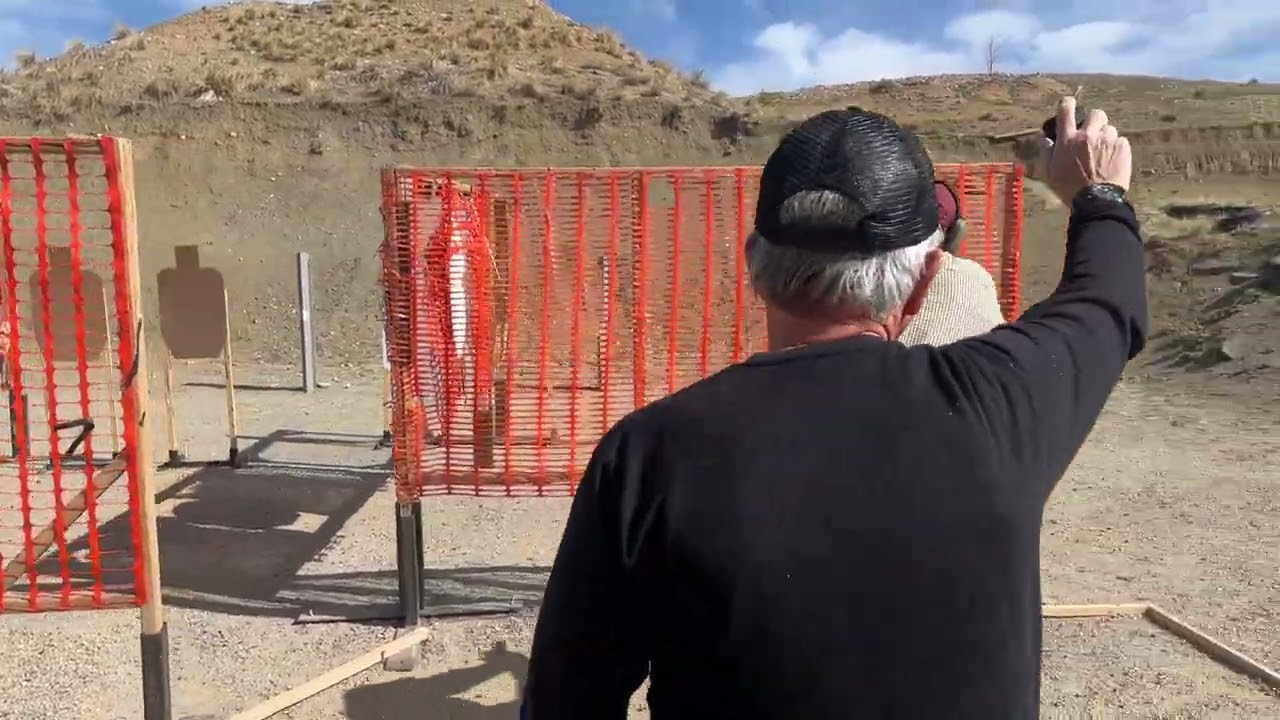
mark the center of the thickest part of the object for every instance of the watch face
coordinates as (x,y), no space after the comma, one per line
(1107,191)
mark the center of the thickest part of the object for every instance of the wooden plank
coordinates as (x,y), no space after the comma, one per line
(327,680)
(1004,137)
(229,384)
(1219,651)
(1084,611)
(72,511)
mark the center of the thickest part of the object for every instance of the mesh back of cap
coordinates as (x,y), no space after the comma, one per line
(870,160)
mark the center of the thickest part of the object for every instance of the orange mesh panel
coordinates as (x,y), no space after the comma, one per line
(69,504)
(528,310)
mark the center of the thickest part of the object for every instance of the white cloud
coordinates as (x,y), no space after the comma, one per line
(661,9)
(972,31)
(1187,38)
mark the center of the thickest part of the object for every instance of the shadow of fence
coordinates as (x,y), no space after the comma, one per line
(234,540)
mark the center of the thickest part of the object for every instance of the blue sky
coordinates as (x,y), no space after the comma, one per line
(750,45)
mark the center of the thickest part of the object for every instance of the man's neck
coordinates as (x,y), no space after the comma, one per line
(789,332)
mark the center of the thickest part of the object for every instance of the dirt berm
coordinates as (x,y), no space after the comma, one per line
(260,128)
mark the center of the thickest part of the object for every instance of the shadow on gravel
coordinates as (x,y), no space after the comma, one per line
(437,696)
(234,540)
(360,597)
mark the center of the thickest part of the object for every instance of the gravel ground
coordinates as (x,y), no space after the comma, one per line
(1173,500)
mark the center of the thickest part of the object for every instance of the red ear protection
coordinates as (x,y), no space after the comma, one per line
(949,215)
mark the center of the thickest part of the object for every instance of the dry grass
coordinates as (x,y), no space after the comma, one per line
(518,58)
(985,105)
(355,51)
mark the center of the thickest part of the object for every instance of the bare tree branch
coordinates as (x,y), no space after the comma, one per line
(993,54)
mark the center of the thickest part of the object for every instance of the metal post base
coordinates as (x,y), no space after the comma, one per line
(176,460)
(412,606)
(157,699)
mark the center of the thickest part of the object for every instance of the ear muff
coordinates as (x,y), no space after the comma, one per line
(952,237)
(953,234)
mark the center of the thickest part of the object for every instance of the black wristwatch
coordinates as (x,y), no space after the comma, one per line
(1100,191)
(1103,201)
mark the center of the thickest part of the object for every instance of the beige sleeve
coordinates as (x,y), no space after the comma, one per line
(986,298)
(962,302)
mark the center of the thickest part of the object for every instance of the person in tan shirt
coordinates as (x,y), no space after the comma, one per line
(962,300)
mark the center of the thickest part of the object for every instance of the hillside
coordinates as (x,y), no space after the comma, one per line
(260,128)
(507,62)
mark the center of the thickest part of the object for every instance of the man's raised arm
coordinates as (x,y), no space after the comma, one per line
(1042,381)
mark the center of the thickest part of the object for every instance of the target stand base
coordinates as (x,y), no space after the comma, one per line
(394,614)
(413,605)
(178,461)
(78,463)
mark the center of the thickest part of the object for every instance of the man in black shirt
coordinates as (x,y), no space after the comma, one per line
(843,526)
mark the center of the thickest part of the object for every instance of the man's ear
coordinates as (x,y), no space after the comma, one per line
(915,301)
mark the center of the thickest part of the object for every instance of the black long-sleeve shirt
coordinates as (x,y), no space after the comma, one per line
(844,530)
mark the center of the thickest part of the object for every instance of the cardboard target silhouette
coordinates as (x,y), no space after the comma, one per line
(56,333)
(67,317)
(195,326)
(193,316)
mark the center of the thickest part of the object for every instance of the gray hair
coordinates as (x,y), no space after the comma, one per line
(874,285)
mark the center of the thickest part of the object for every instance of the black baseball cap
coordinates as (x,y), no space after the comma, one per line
(869,159)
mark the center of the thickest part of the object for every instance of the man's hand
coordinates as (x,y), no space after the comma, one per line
(1093,153)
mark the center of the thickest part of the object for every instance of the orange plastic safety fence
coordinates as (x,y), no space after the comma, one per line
(528,310)
(69,521)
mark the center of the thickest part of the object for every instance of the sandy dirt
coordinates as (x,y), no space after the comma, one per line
(1173,500)
(259,133)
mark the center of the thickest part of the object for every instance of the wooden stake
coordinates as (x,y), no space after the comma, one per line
(1215,649)
(113,376)
(157,702)
(386,403)
(152,610)
(170,415)
(323,682)
(228,370)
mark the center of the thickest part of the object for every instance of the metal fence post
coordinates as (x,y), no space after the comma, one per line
(304,323)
